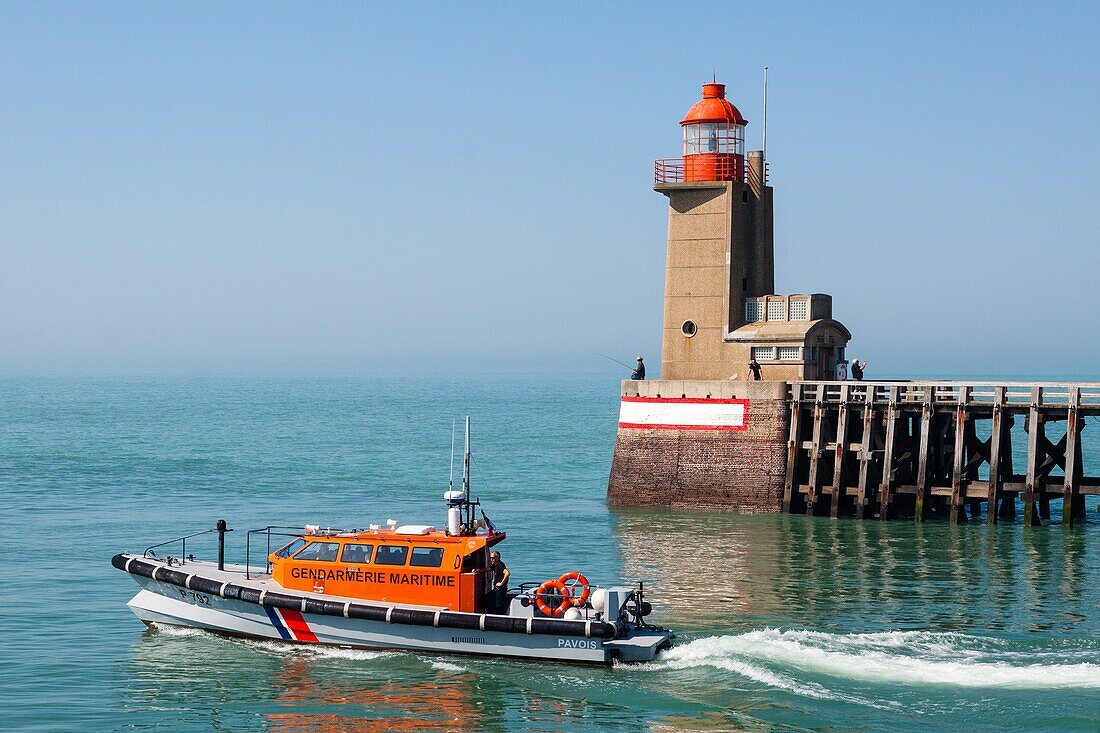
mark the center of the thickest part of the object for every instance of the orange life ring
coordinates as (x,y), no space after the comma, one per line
(581,582)
(561,590)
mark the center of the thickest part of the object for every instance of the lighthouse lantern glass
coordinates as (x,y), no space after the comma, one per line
(714,137)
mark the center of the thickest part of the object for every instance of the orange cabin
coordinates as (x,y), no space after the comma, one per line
(423,567)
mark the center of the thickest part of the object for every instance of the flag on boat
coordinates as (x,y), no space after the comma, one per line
(489,524)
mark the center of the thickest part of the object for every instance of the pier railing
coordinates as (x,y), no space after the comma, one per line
(936,447)
(1086,396)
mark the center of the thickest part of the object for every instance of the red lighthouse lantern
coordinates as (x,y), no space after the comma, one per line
(714,138)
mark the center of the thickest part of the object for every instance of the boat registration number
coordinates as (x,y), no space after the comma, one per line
(196,597)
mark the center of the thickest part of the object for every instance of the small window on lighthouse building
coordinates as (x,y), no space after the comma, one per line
(689,329)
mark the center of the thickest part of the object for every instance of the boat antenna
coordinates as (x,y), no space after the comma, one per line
(466,475)
(451,481)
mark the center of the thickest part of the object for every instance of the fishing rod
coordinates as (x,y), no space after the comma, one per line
(614,360)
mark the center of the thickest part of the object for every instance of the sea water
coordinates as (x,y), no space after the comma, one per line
(784,622)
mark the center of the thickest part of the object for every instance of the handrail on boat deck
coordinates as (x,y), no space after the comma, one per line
(298,531)
(182,540)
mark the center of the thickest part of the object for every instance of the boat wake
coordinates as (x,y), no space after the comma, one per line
(781,658)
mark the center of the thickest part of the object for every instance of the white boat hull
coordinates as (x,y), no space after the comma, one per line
(164,603)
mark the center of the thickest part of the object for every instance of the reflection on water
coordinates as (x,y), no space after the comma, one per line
(350,706)
(212,681)
(709,572)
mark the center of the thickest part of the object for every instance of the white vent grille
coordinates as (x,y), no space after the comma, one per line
(789,353)
(753,311)
(800,310)
(763,353)
(777,310)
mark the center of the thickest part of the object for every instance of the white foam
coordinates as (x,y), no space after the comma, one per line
(909,658)
(448,667)
(181,631)
(335,652)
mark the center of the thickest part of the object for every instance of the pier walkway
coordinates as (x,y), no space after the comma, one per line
(910,449)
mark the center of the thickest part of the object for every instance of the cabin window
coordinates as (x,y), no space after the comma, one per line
(356,553)
(427,557)
(290,549)
(391,555)
(319,551)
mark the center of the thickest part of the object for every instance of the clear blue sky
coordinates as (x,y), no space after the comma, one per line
(375,188)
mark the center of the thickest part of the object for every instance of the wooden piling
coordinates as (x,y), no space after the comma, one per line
(960,445)
(886,486)
(793,451)
(1034,427)
(865,450)
(840,451)
(922,465)
(1071,485)
(816,450)
(996,443)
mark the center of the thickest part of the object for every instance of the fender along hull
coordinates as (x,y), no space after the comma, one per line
(160,602)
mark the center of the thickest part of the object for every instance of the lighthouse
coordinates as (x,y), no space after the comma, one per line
(720,308)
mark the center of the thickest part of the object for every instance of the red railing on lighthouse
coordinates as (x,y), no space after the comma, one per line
(699,168)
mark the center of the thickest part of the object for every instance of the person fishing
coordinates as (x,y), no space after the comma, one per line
(637,372)
(500,575)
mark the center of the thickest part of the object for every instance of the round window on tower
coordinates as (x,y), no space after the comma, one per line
(689,329)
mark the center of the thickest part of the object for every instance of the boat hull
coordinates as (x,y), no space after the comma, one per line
(159,602)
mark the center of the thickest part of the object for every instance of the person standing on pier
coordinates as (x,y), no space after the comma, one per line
(857,370)
(754,367)
(639,371)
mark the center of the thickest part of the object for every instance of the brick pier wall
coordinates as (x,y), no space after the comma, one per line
(730,470)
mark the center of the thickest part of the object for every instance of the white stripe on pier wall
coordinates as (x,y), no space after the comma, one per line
(690,413)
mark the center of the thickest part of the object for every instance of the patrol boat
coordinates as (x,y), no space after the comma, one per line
(398,587)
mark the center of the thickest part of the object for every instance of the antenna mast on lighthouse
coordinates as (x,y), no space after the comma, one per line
(764,122)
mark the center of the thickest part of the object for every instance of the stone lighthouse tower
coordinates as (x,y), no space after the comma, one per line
(720,309)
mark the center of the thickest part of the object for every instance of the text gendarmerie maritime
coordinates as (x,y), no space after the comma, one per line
(355,575)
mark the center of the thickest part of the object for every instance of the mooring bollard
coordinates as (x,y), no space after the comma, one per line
(221,543)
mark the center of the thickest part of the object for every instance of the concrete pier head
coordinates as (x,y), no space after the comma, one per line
(701,445)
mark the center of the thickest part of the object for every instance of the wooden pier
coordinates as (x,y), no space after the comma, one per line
(913,449)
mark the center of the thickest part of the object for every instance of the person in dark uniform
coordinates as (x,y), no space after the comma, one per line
(500,575)
(639,371)
(754,367)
